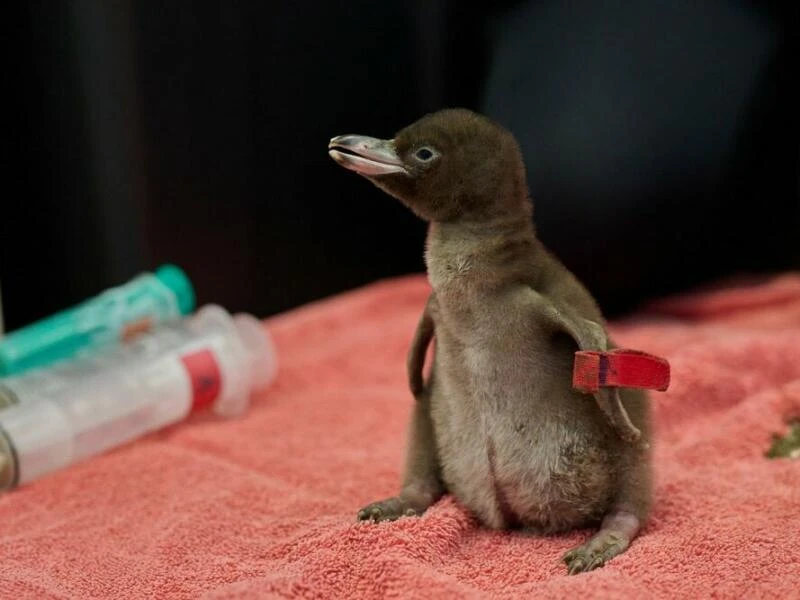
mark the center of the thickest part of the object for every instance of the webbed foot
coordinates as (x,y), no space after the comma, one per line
(596,552)
(618,530)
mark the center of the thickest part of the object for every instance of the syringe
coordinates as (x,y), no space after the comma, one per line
(117,314)
(78,409)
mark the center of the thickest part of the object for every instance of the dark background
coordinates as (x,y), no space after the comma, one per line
(661,138)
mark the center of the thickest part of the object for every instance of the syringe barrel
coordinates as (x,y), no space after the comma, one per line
(116,314)
(79,409)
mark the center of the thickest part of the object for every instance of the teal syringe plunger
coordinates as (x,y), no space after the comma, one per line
(112,316)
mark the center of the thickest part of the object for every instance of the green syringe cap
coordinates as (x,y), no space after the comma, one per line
(175,279)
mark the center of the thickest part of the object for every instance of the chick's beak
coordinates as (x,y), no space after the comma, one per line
(365,155)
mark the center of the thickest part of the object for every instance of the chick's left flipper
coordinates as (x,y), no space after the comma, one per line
(588,335)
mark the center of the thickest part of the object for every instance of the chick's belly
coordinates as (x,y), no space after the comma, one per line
(512,460)
(550,476)
(547,480)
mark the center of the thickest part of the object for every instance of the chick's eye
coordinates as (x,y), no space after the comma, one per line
(424,154)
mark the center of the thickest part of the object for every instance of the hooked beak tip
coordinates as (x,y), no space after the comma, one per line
(336,141)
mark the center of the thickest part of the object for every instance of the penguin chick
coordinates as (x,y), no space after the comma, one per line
(497,424)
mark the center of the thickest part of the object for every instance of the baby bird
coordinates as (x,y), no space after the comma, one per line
(497,423)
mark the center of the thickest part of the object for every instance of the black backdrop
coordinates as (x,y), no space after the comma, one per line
(196,132)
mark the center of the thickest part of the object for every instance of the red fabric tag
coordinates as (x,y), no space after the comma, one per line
(619,368)
(205,375)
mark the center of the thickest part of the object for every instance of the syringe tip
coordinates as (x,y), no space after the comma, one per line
(263,358)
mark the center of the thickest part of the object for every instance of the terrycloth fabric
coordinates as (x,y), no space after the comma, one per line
(264,506)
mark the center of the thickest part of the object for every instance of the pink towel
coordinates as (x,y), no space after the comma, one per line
(265,506)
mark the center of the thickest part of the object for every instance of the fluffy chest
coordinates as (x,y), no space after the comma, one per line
(515,439)
(450,268)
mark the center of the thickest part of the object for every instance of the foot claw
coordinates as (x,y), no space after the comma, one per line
(388,510)
(595,553)
(370,513)
(575,566)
